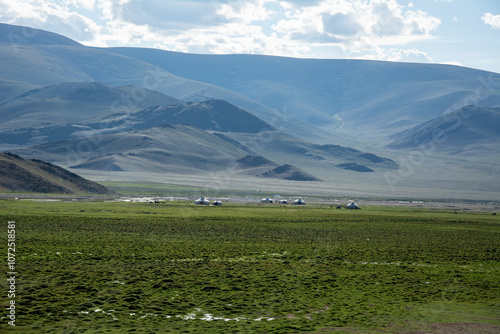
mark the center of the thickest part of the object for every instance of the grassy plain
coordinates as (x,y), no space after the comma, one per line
(102,267)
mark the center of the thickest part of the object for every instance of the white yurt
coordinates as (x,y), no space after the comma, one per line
(299,201)
(266,200)
(352,205)
(217,203)
(283,201)
(202,201)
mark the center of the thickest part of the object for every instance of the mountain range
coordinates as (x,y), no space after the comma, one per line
(146,110)
(357,97)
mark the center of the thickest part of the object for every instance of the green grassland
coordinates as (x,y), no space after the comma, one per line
(101,267)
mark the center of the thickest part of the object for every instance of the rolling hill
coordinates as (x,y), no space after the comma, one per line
(469,130)
(21,175)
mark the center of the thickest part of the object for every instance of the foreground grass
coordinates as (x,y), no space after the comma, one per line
(117,267)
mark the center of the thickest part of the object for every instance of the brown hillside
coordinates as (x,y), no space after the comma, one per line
(22,175)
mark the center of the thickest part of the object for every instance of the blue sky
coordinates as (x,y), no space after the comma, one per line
(460,32)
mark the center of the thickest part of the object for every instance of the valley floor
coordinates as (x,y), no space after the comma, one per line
(101,266)
(344,184)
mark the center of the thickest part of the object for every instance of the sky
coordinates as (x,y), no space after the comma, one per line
(457,32)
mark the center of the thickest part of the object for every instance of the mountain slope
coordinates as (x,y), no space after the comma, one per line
(289,172)
(174,148)
(22,175)
(34,63)
(469,130)
(68,103)
(214,115)
(358,96)
(167,148)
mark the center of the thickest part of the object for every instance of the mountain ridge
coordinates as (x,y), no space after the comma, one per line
(23,35)
(336,93)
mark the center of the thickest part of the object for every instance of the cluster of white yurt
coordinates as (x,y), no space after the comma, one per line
(268,200)
(204,201)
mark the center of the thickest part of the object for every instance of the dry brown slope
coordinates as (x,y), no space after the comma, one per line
(23,175)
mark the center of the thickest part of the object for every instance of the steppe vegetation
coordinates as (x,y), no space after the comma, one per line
(99,267)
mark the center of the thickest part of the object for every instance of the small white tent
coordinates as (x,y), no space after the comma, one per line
(217,203)
(202,201)
(352,205)
(283,201)
(266,200)
(299,201)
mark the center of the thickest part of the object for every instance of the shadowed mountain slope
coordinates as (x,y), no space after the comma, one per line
(289,172)
(22,175)
(215,115)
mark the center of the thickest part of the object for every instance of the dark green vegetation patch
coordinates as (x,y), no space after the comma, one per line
(174,268)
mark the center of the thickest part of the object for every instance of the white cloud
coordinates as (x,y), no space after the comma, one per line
(452,62)
(402,55)
(232,38)
(492,20)
(245,11)
(357,25)
(51,16)
(87,4)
